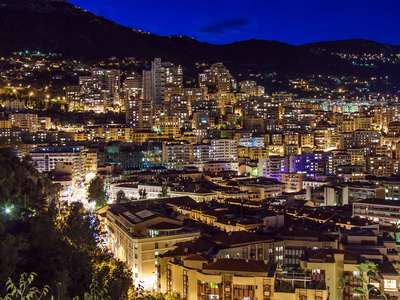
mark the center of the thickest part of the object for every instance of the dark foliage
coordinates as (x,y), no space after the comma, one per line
(121,197)
(96,192)
(55,240)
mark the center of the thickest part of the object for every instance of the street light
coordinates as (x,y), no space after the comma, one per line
(8,210)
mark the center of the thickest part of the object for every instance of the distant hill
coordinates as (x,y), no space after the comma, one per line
(355,46)
(60,27)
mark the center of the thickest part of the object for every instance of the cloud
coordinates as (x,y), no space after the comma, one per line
(223,26)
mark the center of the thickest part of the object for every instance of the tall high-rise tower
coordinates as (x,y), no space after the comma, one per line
(153,89)
(158,83)
(102,87)
(138,113)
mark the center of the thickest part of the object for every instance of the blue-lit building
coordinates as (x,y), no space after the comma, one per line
(314,163)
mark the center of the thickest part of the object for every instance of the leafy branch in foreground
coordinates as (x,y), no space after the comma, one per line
(371,271)
(97,291)
(27,292)
(24,291)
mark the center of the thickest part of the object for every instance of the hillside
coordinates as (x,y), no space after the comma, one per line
(60,27)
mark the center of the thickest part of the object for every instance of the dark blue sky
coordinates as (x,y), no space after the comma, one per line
(295,22)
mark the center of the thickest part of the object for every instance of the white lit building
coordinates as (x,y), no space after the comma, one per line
(46,158)
(223,149)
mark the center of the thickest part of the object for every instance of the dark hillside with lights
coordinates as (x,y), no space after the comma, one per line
(60,27)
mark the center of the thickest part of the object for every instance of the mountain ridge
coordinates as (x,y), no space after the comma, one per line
(61,27)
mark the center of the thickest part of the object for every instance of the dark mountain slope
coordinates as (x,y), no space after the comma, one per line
(354,46)
(58,26)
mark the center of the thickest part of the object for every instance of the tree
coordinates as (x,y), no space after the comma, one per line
(10,248)
(113,273)
(96,192)
(371,271)
(164,191)
(54,239)
(121,197)
(24,291)
(96,292)
(60,249)
(142,193)
(77,226)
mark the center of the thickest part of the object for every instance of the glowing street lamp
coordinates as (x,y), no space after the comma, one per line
(8,209)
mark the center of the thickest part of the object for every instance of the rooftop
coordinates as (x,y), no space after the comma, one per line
(328,255)
(238,265)
(379,202)
(239,237)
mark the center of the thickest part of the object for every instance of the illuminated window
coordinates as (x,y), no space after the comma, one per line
(390,285)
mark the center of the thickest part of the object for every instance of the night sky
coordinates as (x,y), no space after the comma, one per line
(219,22)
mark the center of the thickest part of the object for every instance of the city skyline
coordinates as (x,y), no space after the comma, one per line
(138,166)
(293,22)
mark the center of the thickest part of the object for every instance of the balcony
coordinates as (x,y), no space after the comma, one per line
(288,283)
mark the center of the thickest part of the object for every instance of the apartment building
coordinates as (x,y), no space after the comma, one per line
(273,166)
(137,236)
(196,277)
(29,122)
(378,210)
(223,150)
(46,158)
(177,154)
(382,166)
(293,182)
